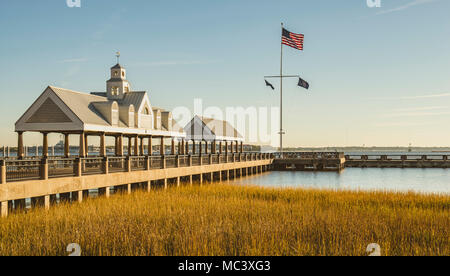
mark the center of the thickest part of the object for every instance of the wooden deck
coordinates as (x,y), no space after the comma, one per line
(68,179)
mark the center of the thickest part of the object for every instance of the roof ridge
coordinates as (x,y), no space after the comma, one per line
(204,117)
(73,91)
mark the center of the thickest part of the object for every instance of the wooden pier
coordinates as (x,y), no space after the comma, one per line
(45,180)
(309,161)
(335,161)
(55,179)
(397,161)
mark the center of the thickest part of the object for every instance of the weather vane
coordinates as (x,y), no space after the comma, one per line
(118,57)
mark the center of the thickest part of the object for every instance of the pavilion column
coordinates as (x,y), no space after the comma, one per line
(206,147)
(236,147)
(172,147)
(130,141)
(200,147)
(242,147)
(102,145)
(213,149)
(179,147)
(231,147)
(120,145)
(82,146)
(162,148)
(20,153)
(66,145)
(86,145)
(116,146)
(183,147)
(150,145)
(193,147)
(136,145)
(141,150)
(226,147)
(220,147)
(45,145)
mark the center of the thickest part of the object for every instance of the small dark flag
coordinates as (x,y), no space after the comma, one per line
(269,84)
(303,83)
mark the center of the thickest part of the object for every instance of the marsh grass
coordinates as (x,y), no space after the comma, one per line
(229,220)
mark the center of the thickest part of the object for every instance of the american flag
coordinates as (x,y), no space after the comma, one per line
(293,40)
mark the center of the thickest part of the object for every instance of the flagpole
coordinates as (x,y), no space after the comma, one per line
(281,94)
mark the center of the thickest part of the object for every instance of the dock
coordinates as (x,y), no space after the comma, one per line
(309,161)
(397,161)
(47,180)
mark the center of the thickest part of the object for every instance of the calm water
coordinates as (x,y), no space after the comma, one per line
(398,180)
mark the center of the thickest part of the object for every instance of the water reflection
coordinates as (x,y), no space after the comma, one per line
(397,180)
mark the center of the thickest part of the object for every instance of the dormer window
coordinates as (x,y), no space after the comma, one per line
(116,73)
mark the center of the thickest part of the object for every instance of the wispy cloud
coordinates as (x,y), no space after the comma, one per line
(430,96)
(402,124)
(407,6)
(172,63)
(415,114)
(425,108)
(73,60)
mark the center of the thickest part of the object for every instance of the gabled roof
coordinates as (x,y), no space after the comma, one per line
(59,110)
(203,128)
(133,98)
(82,105)
(221,128)
(117,66)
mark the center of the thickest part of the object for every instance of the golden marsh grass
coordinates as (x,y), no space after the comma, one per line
(228,220)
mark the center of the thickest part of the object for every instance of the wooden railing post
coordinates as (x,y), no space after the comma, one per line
(128,162)
(177,161)
(163,162)
(147,163)
(2,172)
(77,171)
(190,161)
(210,159)
(105,165)
(44,169)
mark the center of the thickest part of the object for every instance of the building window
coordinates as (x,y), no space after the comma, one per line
(146,111)
(123,74)
(116,73)
(127,89)
(115,91)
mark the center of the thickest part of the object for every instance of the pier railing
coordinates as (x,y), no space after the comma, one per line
(309,155)
(13,170)
(393,157)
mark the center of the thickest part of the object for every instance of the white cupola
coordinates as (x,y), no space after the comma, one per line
(117,86)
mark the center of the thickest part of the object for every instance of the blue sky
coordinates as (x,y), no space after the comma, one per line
(379,76)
